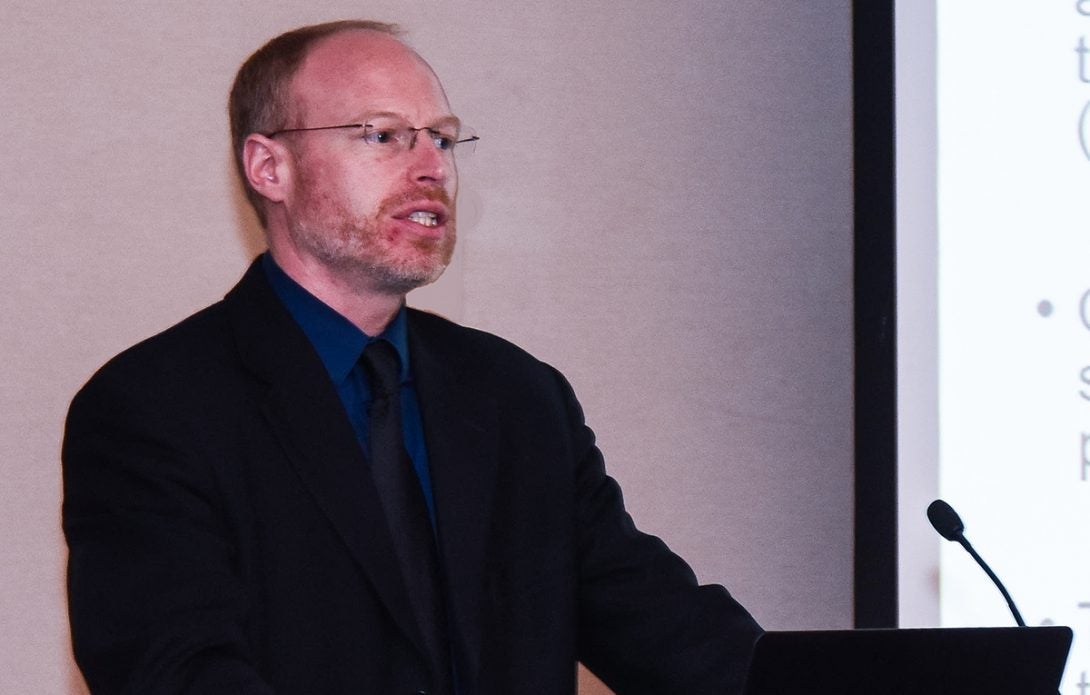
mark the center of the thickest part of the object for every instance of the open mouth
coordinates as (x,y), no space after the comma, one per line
(424,218)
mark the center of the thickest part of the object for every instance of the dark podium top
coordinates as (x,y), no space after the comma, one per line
(992,661)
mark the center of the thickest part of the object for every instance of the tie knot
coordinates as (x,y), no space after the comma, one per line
(383,367)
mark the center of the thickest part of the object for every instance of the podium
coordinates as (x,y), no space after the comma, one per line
(933,661)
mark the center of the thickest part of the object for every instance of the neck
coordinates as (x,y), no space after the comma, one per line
(368,308)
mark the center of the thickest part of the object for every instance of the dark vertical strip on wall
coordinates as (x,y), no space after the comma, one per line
(875,318)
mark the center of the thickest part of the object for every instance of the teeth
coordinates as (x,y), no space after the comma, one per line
(428,219)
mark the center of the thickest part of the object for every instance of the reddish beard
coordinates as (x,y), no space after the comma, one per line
(366,246)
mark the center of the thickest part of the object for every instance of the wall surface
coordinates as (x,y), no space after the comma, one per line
(660,206)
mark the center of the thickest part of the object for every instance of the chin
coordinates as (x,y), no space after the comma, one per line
(401,279)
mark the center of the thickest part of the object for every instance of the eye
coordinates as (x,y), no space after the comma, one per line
(442,141)
(374,135)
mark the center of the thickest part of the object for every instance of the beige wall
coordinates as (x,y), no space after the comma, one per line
(660,206)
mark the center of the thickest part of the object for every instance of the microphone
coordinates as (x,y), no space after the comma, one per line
(949,525)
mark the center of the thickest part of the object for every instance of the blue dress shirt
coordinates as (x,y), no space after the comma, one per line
(339,345)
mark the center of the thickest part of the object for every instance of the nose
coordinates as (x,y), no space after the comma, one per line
(428,164)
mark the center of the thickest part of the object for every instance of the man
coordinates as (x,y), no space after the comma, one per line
(307,488)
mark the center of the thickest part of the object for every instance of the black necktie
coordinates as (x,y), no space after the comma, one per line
(405,508)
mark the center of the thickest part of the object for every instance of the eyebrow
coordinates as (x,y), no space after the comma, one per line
(445,120)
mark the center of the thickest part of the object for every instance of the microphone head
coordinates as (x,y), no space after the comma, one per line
(945,520)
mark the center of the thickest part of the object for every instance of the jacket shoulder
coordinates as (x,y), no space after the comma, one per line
(470,349)
(195,338)
(198,349)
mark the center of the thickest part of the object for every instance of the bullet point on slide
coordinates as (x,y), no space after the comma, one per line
(1044,308)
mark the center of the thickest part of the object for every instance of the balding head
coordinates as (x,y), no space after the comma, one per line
(359,68)
(261,101)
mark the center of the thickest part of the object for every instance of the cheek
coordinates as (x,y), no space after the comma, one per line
(335,180)
(365,190)
(451,183)
(348,196)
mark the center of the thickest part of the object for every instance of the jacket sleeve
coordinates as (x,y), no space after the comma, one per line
(645,624)
(154,600)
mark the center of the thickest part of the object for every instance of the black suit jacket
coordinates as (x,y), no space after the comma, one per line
(225,536)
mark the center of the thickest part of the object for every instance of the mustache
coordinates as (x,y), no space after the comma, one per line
(435,194)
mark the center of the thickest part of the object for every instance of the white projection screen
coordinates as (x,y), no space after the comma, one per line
(993,254)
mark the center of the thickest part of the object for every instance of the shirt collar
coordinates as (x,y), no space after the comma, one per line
(337,340)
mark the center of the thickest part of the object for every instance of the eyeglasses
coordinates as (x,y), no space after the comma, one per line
(393,137)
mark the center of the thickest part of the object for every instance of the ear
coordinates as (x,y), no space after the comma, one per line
(265,163)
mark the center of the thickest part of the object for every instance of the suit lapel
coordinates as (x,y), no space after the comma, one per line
(307,418)
(460,426)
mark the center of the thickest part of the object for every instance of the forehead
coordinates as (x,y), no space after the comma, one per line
(355,72)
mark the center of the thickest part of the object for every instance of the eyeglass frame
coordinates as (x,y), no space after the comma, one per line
(412,143)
